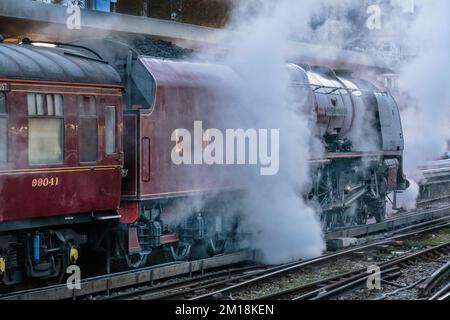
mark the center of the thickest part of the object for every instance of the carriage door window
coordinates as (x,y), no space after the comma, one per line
(45,128)
(88,130)
(3,130)
(110,130)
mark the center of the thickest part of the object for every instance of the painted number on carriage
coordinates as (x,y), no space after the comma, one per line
(45,182)
(4,87)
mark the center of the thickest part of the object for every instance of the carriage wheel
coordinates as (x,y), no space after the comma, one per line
(136,260)
(177,251)
(216,245)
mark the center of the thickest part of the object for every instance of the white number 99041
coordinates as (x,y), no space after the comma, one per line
(45,182)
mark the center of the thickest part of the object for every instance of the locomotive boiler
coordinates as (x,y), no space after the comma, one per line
(361,131)
(85,146)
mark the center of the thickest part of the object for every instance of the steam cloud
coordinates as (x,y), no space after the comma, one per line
(426,120)
(283,226)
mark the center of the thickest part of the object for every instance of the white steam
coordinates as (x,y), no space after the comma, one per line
(426,119)
(282,225)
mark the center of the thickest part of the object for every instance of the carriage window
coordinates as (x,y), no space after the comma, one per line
(58,105)
(31,100)
(50,105)
(45,129)
(110,130)
(35,104)
(88,129)
(3,130)
(45,105)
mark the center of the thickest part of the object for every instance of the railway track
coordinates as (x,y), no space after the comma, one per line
(334,286)
(184,286)
(433,199)
(443,294)
(106,284)
(397,224)
(347,279)
(192,289)
(435,181)
(147,282)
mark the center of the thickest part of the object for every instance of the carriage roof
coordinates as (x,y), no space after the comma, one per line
(29,62)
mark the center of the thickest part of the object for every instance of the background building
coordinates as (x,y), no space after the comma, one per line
(212,13)
(363,33)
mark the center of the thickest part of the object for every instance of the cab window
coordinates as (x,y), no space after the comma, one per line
(88,129)
(3,130)
(45,128)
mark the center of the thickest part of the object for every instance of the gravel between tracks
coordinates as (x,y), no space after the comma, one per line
(409,276)
(356,262)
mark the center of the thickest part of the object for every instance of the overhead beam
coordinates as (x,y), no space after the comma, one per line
(47,22)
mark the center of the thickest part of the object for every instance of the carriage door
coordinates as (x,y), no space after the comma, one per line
(88,130)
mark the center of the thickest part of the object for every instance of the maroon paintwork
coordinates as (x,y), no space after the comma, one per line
(185,92)
(81,187)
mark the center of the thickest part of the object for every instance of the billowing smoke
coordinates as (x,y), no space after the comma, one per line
(426,79)
(283,226)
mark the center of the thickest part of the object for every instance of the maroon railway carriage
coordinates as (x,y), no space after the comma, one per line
(156,190)
(181,209)
(62,164)
(60,155)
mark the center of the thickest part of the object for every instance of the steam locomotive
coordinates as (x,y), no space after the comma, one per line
(85,156)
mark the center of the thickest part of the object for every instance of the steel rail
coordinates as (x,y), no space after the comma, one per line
(310,262)
(148,275)
(170,289)
(445,297)
(143,276)
(391,225)
(345,285)
(435,199)
(330,287)
(310,286)
(429,284)
(441,293)
(155,294)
